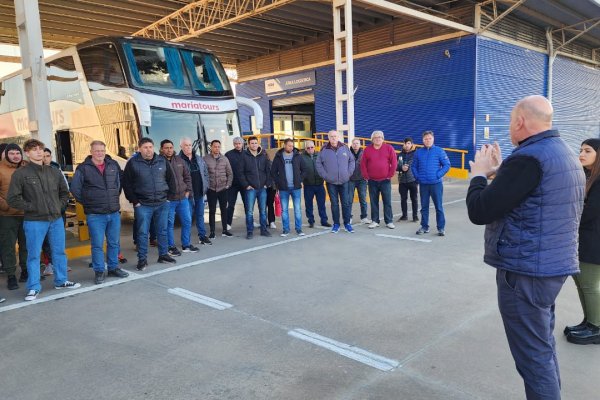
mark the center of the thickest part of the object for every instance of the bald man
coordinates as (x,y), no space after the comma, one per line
(531,211)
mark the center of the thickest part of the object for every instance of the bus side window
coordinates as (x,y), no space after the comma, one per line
(101,64)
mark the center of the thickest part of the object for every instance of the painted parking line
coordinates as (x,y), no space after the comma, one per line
(137,276)
(198,298)
(346,350)
(404,238)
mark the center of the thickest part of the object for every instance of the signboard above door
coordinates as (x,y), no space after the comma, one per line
(283,83)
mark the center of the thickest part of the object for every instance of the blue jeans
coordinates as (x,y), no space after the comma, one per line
(143,216)
(436,191)
(197,209)
(385,189)
(284,196)
(526,305)
(182,209)
(339,194)
(101,225)
(36,231)
(318,191)
(361,187)
(251,196)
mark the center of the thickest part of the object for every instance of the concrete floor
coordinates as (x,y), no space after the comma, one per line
(429,306)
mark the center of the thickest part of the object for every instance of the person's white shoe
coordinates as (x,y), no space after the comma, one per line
(256,225)
(366,221)
(373,225)
(48,270)
(228,227)
(391,225)
(31,295)
(272,225)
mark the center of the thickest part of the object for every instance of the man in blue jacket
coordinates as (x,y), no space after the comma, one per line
(531,211)
(97,186)
(429,166)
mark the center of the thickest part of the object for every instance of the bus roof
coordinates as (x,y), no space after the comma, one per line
(137,39)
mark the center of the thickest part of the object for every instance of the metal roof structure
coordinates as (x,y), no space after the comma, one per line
(241,30)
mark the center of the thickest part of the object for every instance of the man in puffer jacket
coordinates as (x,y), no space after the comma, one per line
(335,164)
(429,166)
(313,186)
(220,179)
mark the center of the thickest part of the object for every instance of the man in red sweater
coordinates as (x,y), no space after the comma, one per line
(378,166)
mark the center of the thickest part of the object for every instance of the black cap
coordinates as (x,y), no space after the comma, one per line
(12,146)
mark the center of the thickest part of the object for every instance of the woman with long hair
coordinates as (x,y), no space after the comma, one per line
(588,281)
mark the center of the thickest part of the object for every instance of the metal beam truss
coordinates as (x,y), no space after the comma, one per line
(204,16)
(575,31)
(494,16)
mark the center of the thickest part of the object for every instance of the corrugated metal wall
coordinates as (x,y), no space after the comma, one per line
(576,98)
(505,74)
(254,90)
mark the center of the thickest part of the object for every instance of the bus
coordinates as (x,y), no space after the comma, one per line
(119,89)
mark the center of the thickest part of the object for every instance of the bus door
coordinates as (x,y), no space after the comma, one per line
(64,150)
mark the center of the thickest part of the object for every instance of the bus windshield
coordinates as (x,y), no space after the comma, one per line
(169,69)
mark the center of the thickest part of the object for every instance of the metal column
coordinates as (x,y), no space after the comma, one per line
(34,70)
(344,94)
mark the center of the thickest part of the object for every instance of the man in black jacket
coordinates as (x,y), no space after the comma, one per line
(41,192)
(235,157)
(313,186)
(287,172)
(147,181)
(406,181)
(97,186)
(254,173)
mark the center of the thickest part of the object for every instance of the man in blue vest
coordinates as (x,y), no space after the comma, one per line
(531,211)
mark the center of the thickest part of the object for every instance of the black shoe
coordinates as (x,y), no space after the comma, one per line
(166,259)
(415,219)
(441,232)
(311,224)
(212,235)
(205,240)
(99,277)
(575,328)
(122,259)
(265,233)
(12,282)
(226,234)
(326,224)
(174,251)
(118,273)
(249,235)
(590,335)
(141,265)
(190,249)
(403,218)
(24,276)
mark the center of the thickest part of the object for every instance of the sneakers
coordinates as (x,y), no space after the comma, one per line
(141,265)
(391,225)
(11,282)
(118,273)
(348,228)
(441,232)
(204,240)
(153,243)
(190,249)
(285,233)
(228,227)
(249,235)
(373,225)
(326,224)
(226,234)
(335,228)
(174,251)
(99,277)
(265,233)
(212,235)
(300,233)
(24,276)
(272,225)
(166,259)
(32,295)
(2,299)
(365,220)
(122,259)
(403,218)
(48,270)
(68,285)
(422,231)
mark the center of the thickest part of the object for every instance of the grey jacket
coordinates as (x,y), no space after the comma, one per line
(335,165)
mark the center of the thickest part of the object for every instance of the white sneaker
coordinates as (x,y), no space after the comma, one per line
(31,295)
(391,225)
(48,270)
(256,225)
(272,225)
(68,285)
(373,225)
(366,221)
(228,227)
(2,299)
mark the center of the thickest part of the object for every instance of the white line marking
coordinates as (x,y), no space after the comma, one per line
(136,276)
(346,350)
(198,298)
(404,238)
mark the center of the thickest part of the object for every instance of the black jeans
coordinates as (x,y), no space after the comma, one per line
(232,195)
(271,204)
(10,233)
(404,189)
(212,198)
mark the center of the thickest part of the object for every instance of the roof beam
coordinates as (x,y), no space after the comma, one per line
(204,16)
(497,18)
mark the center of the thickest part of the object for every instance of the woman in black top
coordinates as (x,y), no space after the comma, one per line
(588,281)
